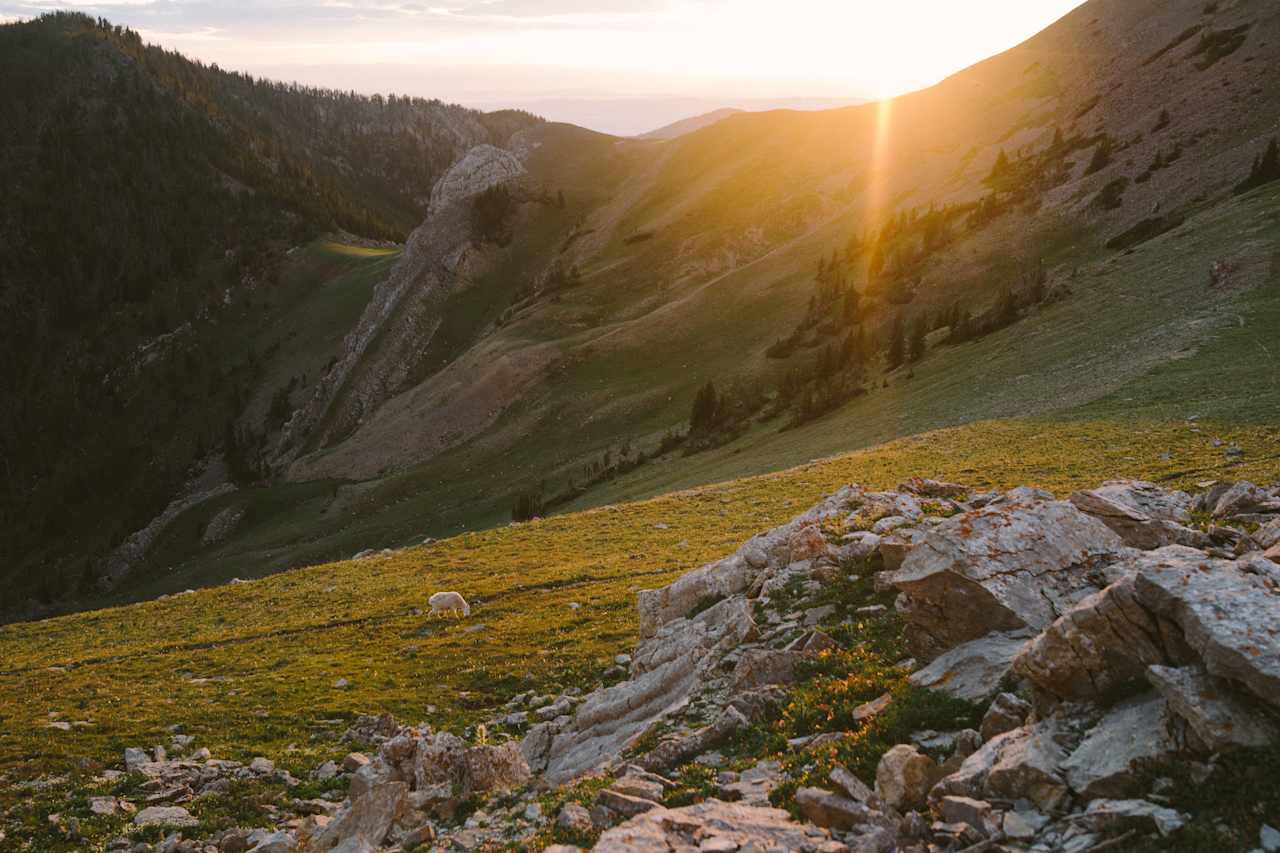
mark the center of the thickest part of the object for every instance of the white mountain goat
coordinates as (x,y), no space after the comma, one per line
(450,603)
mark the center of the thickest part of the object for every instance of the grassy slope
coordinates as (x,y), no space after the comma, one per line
(1126,314)
(1066,361)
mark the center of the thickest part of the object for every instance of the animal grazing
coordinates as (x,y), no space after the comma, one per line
(449,603)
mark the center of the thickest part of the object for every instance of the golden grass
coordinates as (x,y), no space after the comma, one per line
(249,668)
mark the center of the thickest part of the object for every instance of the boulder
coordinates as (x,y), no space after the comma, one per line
(904,777)
(625,805)
(1142,514)
(1102,643)
(853,787)
(1012,565)
(364,823)
(1218,716)
(972,671)
(1227,615)
(1019,764)
(1006,713)
(831,811)
(715,825)
(764,667)
(976,813)
(494,768)
(1224,500)
(135,758)
(1109,761)
(895,547)
(1268,535)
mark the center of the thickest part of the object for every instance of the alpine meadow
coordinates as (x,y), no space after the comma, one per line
(887,459)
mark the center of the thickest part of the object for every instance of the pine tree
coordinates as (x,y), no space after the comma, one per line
(1266,168)
(1101,156)
(918,344)
(706,409)
(897,344)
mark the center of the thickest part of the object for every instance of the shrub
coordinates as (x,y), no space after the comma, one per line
(1101,156)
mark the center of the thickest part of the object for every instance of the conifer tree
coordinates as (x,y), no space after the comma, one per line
(897,344)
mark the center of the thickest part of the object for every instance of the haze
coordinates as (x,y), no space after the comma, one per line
(621,66)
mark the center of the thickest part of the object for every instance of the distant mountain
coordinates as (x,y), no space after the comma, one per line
(689,125)
(629,115)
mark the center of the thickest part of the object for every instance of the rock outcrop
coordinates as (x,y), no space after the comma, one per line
(1099,652)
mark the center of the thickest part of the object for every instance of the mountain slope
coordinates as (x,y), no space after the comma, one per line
(550,349)
(150,202)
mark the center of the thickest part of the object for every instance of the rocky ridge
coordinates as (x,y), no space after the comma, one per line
(1110,637)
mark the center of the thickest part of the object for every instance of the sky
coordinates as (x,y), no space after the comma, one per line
(615,65)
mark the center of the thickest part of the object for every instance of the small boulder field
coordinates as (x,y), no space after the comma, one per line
(925,669)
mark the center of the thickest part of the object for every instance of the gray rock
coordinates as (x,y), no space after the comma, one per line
(1269,838)
(103,805)
(639,786)
(363,825)
(1020,764)
(831,811)
(854,787)
(1219,717)
(976,813)
(1006,713)
(274,842)
(134,758)
(1228,499)
(1023,825)
(673,751)
(1119,815)
(717,580)
(666,669)
(1108,762)
(1011,565)
(765,667)
(624,804)
(895,547)
(1102,643)
(753,786)
(974,670)
(574,818)
(175,816)
(715,823)
(1142,514)
(1227,615)
(1268,535)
